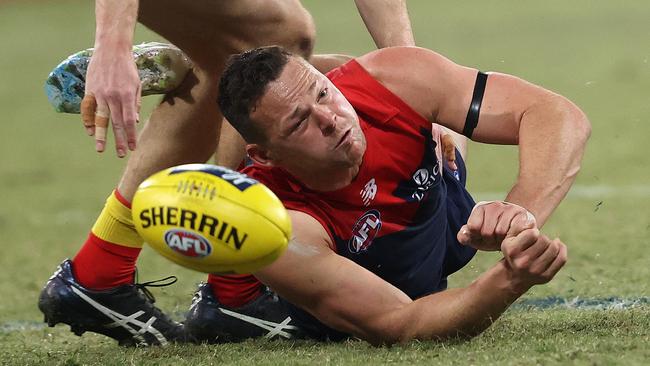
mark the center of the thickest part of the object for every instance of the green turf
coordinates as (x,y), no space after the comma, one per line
(521,338)
(53,184)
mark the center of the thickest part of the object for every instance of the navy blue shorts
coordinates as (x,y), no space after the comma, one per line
(459,207)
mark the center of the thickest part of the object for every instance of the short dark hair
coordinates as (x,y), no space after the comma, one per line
(244,81)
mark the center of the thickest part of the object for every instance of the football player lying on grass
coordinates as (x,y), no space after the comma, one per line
(380,220)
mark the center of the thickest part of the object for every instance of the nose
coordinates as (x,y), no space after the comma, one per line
(325,118)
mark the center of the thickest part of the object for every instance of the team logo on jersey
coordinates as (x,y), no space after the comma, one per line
(369,192)
(427,175)
(364,231)
(424,179)
(187,243)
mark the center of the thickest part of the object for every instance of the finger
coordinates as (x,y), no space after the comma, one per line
(102,114)
(521,222)
(88,107)
(463,235)
(129,117)
(513,246)
(541,248)
(452,164)
(505,220)
(138,103)
(449,151)
(492,214)
(476,217)
(545,259)
(474,225)
(557,263)
(118,128)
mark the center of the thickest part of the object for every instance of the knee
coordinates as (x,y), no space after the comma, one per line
(198,85)
(308,37)
(301,35)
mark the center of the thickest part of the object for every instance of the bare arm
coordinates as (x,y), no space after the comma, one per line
(387,21)
(550,130)
(112,81)
(349,298)
(115,23)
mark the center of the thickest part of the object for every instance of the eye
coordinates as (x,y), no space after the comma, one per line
(323,93)
(299,123)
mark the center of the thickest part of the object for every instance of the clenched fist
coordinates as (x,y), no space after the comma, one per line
(490,223)
(532,258)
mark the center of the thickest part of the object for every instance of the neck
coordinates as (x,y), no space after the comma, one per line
(329,180)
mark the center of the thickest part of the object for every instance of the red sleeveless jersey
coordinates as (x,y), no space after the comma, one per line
(393,218)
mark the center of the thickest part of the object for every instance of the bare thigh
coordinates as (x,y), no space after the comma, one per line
(210,30)
(185,127)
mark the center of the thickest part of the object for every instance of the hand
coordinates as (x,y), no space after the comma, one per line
(449,150)
(112,92)
(490,223)
(532,258)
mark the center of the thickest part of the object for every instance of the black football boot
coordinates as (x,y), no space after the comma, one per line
(125,313)
(265,317)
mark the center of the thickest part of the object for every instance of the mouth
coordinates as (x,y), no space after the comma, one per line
(344,138)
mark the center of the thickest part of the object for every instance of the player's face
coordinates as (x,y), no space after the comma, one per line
(308,122)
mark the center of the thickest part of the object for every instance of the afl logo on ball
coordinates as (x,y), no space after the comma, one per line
(187,243)
(364,231)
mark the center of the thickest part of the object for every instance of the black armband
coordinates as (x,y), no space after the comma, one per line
(475,107)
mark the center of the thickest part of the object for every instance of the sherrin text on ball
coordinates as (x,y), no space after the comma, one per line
(211,219)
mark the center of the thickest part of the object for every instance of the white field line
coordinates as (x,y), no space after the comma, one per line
(610,303)
(20,326)
(583,191)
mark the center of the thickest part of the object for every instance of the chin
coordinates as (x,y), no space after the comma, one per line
(356,152)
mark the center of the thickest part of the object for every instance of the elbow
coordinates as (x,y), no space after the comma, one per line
(401,335)
(390,328)
(577,132)
(582,126)
(389,332)
(387,335)
(577,122)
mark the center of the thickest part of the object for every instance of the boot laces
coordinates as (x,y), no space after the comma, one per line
(163,282)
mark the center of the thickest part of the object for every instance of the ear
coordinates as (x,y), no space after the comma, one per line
(259,154)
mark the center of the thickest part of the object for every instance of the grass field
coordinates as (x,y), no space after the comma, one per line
(597,53)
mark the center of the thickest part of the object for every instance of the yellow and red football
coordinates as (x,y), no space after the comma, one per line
(211,219)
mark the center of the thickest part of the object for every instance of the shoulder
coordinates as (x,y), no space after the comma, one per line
(418,76)
(268,176)
(306,218)
(307,225)
(398,62)
(277,181)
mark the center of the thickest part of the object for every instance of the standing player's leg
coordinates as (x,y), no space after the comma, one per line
(99,281)
(236,26)
(231,152)
(183,129)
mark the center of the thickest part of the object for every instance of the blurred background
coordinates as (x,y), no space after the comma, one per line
(596,53)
